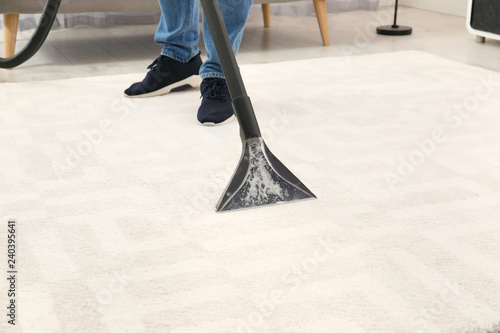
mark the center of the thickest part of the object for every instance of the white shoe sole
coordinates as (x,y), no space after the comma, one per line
(193,81)
(228,120)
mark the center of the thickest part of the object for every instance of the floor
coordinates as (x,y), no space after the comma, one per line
(89,51)
(115,197)
(115,202)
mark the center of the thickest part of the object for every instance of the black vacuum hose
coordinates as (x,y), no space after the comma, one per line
(39,36)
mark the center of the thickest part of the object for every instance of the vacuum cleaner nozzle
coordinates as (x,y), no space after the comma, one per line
(261,179)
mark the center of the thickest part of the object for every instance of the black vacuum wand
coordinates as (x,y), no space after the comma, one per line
(260,178)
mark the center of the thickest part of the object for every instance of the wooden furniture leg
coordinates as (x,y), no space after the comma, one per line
(266,12)
(10,23)
(321,14)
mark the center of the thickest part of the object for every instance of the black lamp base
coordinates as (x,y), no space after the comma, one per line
(394,30)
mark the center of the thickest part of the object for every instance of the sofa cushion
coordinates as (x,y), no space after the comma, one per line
(72,6)
(80,6)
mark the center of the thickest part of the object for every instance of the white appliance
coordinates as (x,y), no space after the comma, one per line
(483,19)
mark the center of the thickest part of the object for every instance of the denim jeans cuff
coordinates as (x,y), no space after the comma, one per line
(174,56)
(212,75)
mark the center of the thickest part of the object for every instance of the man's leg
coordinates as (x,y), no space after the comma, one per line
(178,66)
(216,106)
(235,14)
(178,31)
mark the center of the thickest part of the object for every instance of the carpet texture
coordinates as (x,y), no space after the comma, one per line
(114,200)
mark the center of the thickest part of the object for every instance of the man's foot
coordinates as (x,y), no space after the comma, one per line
(167,75)
(216,107)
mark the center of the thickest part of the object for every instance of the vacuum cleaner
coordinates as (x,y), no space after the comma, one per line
(44,25)
(260,178)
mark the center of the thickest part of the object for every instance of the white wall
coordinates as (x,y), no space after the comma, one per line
(453,7)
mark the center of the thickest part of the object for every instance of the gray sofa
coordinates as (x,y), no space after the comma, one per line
(12,8)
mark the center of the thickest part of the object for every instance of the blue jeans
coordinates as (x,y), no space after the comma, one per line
(178,32)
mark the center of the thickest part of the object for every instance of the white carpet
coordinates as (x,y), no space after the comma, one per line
(115,203)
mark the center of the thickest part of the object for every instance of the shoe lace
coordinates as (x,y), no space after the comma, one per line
(154,64)
(215,90)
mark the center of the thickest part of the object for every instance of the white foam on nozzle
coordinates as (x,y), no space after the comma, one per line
(260,180)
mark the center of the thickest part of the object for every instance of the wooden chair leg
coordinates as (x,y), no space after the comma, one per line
(266,12)
(321,14)
(10,23)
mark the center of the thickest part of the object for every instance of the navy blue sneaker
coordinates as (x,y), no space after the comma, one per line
(167,75)
(216,107)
